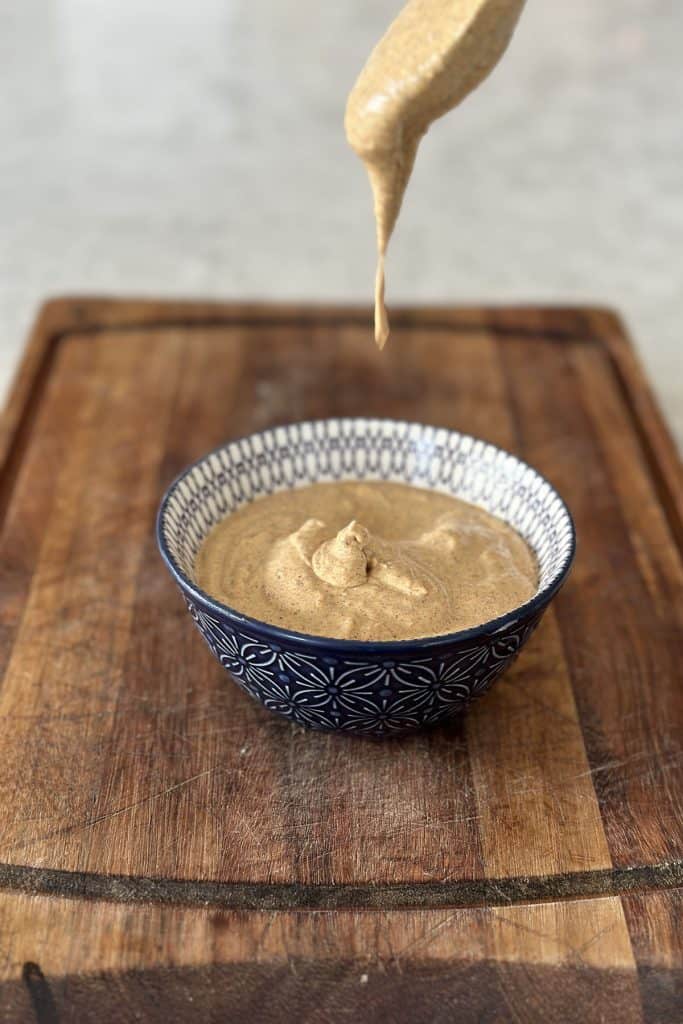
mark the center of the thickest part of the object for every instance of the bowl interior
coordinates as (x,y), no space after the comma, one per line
(365,449)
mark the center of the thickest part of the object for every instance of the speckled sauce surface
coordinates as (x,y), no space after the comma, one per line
(366,561)
(199,150)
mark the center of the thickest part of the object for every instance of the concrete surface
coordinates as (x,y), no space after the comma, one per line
(197,149)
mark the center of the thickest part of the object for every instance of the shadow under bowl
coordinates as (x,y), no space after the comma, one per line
(371,688)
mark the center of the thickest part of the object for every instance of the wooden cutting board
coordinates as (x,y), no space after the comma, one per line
(523,863)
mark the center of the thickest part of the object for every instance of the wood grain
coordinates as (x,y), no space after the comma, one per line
(158,963)
(135,772)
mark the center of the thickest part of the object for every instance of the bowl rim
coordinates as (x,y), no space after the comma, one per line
(313,640)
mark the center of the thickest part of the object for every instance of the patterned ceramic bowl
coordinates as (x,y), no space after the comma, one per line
(381,688)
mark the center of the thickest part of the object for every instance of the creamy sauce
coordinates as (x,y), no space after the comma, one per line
(432,56)
(366,561)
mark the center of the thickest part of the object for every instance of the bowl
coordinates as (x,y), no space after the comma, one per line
(371,688)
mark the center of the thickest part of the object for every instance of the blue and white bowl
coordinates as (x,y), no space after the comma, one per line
(372,688)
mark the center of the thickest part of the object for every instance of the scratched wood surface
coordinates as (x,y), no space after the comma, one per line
(170,964)
(134,772)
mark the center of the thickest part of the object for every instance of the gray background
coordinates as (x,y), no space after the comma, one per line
(197,149)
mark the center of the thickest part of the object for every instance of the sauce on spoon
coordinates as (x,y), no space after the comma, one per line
(431,57)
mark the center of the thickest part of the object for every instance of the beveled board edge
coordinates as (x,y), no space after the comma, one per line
(653,432)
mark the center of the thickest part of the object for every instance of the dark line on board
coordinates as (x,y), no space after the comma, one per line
(660,484)
(332,320)
(382,896)
(511,401)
